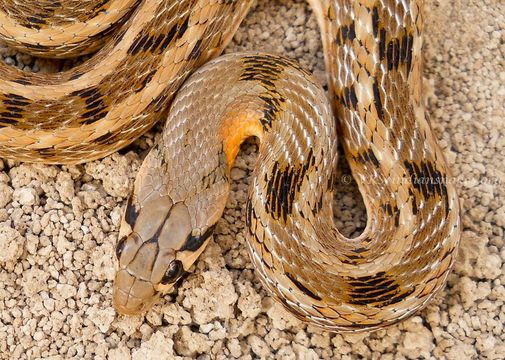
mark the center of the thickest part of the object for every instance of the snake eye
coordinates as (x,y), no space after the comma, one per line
(173,273)
(120,246)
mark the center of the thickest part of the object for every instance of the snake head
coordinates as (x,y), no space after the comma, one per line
(150,252)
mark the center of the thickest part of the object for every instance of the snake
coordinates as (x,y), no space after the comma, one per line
(159,59)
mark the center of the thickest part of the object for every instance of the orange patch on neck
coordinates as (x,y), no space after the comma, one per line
(236,127)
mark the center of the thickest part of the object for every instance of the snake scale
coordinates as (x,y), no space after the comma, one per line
(149,48)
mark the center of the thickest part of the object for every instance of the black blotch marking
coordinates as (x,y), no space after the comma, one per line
(282,186)
(409,53)
(193,243)
(149,42)
(14,109)
(11,115)
(22,81)
(302,287)
(344,33)
(131,213)
(34,22)
(375,21)
(428,181)
(49,151)
(377,100)
(396,54)
(159,104)
(173,273)
(267,70)
(273,103)
(95,105)
(396,51)
(183,27)
(105,139)
(350,100)
(92,98)
(120,247)
(196,50)
(168,38)
(137,44)
(392,211)
(382,45)
(368,156)
(388,208)
(262,69)
(378,290)
(76,76)
(317,206)
(85,93)
(414,202)
(164,40)
(158,42)
(6,121)
(348,32)
(390,54)
(93,116)
(15,97)
(403,48)
(446,199)
(144,80)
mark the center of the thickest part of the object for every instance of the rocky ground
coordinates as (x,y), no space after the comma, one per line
(58,227)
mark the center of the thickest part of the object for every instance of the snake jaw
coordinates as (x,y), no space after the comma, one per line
(131,295)
(142,266)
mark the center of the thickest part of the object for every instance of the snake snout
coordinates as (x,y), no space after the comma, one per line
(131,295)
(147,256)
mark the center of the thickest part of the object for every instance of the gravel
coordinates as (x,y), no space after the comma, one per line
(59,225)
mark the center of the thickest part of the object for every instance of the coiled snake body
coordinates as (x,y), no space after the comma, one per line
(373,57)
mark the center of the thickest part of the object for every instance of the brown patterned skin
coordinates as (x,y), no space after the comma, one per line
(62,28)
(110,100)
(373,57)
